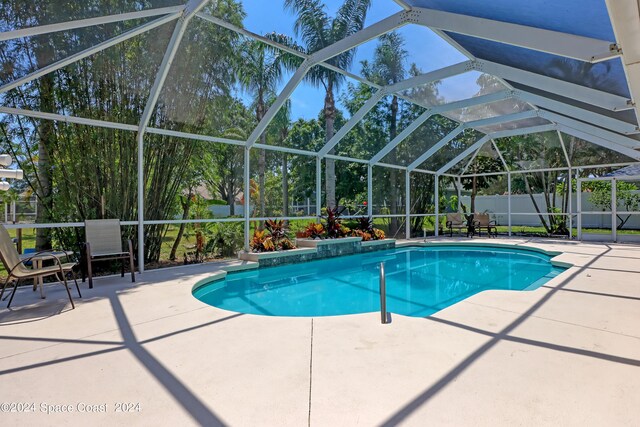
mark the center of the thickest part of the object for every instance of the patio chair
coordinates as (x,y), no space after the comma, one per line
(17,270)
(483,221)
(104,242)
(457,221)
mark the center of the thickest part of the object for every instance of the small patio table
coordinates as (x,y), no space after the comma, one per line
(37,263)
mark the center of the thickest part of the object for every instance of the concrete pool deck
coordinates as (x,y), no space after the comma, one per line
(567,353)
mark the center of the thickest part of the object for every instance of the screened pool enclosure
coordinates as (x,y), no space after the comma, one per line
(539,101)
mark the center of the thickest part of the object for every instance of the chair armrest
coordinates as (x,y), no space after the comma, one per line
(449,224)
(493,222)
(475,223)
(54,257)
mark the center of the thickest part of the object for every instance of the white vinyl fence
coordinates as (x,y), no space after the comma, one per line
(523,210)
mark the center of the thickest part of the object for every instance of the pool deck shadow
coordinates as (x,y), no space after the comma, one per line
(567,353)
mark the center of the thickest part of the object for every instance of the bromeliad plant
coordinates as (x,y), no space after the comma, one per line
(366,230)
(334,226)
(315,231)
(273,237)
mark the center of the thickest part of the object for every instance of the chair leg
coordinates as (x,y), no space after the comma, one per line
(87,251)
(90,274)
(73,274)
(6,282)
(15,288)
(66,287)
(123,260)
(131,265)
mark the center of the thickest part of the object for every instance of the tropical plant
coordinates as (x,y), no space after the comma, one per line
(333,223)
(261,241)
(363,234)
(226,239)
(273,237)
(278,231)
(626,195)
(315,231)
(366,230)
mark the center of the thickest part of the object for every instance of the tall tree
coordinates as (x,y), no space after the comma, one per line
(388,68)
(280,131)
(260,72)
(317,31)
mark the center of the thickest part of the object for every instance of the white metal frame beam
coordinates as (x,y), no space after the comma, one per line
(554,42)
(381,27)
(439,74)
(426,78)
(190,9)
(523,131)
(490,137)
(634,154)
(400,137)
(579,113)
(352,122)
(626,28)
(475,147)
(580,93)
(613,137)
(513,117)
(88,52)
(444,141)
(478,100)
(88,22)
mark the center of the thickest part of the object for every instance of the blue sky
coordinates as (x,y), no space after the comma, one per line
(425,48)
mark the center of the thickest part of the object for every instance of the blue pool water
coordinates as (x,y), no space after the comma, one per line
(420,281)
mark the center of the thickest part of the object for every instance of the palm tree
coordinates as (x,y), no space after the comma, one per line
(260,72)
(388,68)
(317,30)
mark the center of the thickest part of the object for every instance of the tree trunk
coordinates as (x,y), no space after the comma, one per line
(285,185)
(474,190)
(262,157)
(46,141)
(393,173)
(186,205)
(262,166)
(535,204)
(330,168)
(231,201)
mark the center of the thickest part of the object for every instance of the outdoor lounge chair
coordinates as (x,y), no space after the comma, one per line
(457,221)
(482,221)
(17,270)
(104,242)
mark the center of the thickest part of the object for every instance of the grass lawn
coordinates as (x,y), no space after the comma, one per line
(188,238)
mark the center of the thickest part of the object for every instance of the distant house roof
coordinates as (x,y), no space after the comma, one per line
(631,170)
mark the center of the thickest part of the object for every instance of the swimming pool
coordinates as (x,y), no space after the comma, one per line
(420,281)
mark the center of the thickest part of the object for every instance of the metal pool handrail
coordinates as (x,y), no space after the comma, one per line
(383,295)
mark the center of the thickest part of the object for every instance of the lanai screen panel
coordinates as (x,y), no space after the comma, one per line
(125,72)
(514,125)
(22,14)
(422,139)
(486,111)
(451,150)
(532,152)
(587,18)
(627,115)
(585,153)
(196,92)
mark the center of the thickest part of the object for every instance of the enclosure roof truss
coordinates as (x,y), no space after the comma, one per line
(607,131)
